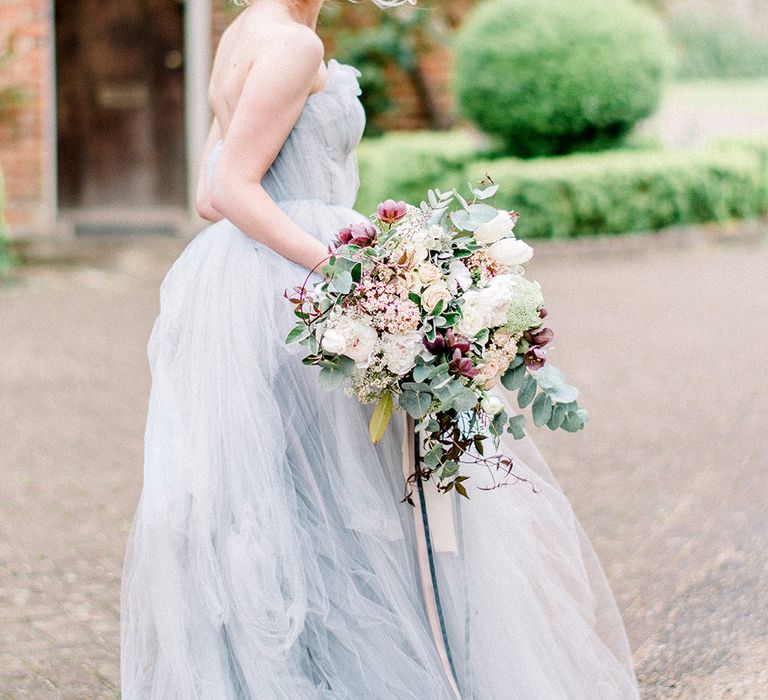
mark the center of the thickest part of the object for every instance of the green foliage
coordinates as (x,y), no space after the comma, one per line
(711,45)
(409,164)
(620,191)
(553,76)
(577,195)
(371,50)
(383,41)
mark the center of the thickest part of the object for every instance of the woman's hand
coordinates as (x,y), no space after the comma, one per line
(277,86)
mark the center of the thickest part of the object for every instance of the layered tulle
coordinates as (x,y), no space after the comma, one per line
(271,554)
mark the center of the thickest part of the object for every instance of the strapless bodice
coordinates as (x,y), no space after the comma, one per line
(317,161)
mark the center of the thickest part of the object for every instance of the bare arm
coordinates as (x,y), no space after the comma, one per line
(203,198)
(278,84)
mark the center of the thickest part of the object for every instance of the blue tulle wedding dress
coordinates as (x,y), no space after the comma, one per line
(271,555)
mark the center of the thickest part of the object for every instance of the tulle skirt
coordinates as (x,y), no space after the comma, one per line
(271,555)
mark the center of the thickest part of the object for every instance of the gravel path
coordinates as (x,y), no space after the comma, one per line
(667,341)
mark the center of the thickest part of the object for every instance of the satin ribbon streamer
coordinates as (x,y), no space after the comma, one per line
(435,532)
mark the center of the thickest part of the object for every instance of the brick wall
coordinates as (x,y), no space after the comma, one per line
(24,143)
(27,143)
(435,60)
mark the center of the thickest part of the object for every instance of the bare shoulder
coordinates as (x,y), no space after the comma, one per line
(294,41)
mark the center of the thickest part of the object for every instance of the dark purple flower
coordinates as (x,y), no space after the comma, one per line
(540,336)
(390,211)
(462,365)
(362,235)
(535,358)
(457,342)
(543,313)
(436,346)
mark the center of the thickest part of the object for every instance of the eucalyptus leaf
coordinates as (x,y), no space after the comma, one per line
(415,403)
(487,193)
(421,371)
(541,409)
(331,378)
(512,379)
(465,400)
(516,426)
(342,283)
(564,393)
(297,334)
(527,391)
(558,416)
(498,424)
(459,219)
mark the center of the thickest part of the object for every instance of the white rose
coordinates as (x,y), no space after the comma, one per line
(334,342)
(492,405)
(429,273)
(496,298)
(511,252)
(472,314)
(361,339)
(501,226)
(434,293)
(400,351)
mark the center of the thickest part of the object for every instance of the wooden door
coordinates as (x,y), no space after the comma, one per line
(120,102)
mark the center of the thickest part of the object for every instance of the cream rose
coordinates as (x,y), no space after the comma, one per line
(501,226)
(511,252)
(434,293)
(429,273)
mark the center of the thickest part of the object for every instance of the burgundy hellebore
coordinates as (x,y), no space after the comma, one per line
(390,211)
(362,235)
(535,358)
(436,346)
(462,365)
(540,336)
(457,342)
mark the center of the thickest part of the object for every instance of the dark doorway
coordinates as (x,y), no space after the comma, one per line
(120,91)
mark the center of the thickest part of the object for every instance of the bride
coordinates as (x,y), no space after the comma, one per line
(271,555)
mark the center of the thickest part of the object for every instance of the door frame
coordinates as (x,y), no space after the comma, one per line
(198,43)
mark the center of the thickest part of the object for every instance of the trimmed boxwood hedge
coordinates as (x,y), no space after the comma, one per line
(407,164)
(587,194)
(555,76)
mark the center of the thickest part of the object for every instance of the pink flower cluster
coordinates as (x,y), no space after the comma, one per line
(387,303)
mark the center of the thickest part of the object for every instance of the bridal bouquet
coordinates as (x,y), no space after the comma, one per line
(426,309)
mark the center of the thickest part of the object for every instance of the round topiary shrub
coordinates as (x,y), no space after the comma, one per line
(554,76)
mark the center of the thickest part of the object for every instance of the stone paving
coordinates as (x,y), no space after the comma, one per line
(665,335)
